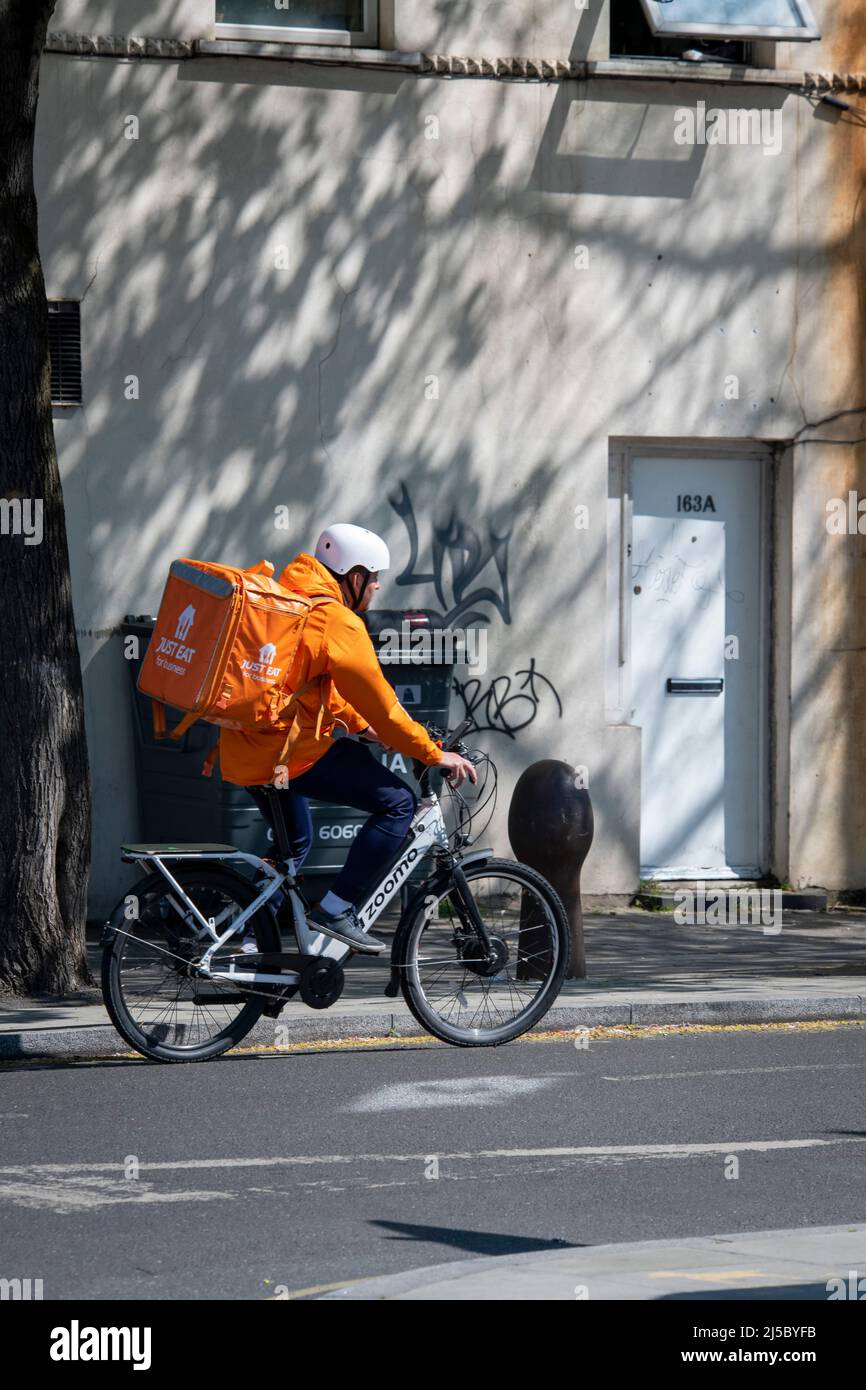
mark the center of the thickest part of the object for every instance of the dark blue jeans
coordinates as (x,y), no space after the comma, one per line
(348,775)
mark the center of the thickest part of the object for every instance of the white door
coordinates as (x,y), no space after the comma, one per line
(698,692)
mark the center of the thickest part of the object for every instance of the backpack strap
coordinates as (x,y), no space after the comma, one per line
(157,714)
(288,744)
(210,761)
(325,684)
(157,711)
(186,723)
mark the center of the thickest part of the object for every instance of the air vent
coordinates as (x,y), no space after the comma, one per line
(64,345)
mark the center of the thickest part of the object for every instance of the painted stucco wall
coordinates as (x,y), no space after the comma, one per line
(828,596)
(522,27)
(349,294)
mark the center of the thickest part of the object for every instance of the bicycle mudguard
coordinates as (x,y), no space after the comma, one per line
(119,915)
(477,856)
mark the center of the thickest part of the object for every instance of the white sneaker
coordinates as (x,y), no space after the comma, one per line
(249,945)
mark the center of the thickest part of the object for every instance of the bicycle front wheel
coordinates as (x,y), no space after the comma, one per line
(157,1000)
(456,993)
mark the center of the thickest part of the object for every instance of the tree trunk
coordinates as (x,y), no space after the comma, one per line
(44,779)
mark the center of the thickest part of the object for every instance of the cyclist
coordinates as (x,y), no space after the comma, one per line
(336,647)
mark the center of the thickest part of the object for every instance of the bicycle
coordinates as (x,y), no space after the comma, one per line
(478,937)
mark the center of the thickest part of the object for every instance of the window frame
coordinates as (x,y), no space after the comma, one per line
(366,37)
(672,29)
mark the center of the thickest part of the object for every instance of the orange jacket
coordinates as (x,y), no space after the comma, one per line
(335,643)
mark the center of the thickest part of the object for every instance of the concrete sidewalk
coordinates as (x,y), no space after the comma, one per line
(644,969)
(802,1265)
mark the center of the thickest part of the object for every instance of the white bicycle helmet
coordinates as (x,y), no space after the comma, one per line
(343,546)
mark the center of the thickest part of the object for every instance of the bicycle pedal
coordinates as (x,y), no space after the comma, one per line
(274,1007)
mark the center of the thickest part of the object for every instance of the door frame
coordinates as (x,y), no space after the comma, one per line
(619,683)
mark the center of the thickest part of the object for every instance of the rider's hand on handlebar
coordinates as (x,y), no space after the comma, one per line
(457,769)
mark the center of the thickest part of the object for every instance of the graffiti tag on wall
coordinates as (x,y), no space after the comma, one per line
(505,705)
(458,554)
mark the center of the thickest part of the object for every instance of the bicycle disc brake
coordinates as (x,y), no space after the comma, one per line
(471,954)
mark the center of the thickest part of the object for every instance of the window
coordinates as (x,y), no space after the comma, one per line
(631,37)
(298,21)
(731,19)
(64,347)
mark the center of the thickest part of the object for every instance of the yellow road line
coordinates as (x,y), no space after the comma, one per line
(320,1288)
(624,1030)
(391,1041)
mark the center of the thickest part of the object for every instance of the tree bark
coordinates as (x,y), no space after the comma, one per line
(44,778)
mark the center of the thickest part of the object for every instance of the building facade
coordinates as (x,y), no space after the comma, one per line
(573,319)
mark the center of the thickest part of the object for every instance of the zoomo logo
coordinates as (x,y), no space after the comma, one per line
(390,885)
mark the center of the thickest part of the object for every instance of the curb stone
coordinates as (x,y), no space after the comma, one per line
(103,1041)
(799,1266)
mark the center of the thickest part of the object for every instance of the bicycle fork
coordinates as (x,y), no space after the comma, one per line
(467,910)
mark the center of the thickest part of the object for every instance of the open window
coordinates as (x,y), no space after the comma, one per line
(352,22)
(731,19)
(710,29)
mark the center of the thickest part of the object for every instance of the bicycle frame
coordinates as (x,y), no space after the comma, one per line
(426,831)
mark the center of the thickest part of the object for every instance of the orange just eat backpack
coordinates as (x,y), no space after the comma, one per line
(223,645)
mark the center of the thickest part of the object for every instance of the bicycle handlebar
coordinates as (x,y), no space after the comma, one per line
(456,735)
(449,744)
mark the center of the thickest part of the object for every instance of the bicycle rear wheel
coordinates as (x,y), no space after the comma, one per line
(456,994)
(156,1000)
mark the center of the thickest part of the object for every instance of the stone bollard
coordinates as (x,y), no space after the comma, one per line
(550,826)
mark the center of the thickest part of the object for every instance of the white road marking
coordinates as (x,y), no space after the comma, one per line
(709,1276)
(67,1188)
(64,1196)
(423,1095)
(613,1151)
(667,1150)
(731,1071)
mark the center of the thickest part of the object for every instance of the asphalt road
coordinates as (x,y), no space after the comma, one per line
(254,1175)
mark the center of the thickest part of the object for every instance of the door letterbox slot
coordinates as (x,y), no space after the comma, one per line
(697,685)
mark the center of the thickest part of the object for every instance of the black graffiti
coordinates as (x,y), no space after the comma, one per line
(500,709)
(457,548)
